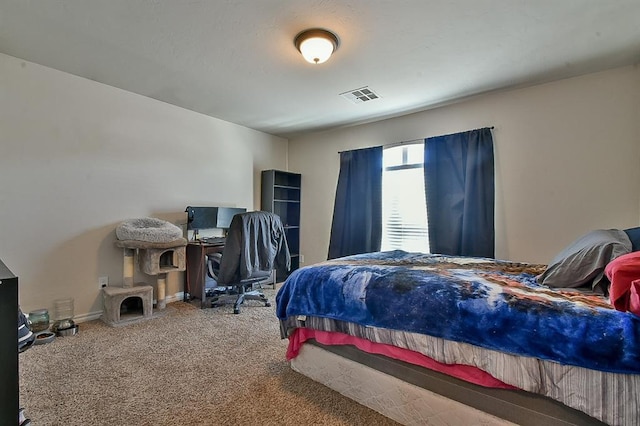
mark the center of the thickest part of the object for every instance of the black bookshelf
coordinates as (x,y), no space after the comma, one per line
(281,195)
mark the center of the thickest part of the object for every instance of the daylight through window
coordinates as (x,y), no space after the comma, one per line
(404,211)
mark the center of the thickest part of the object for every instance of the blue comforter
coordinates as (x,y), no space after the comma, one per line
(493,304)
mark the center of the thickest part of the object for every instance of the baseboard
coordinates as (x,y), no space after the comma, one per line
(178,297)
(87,317)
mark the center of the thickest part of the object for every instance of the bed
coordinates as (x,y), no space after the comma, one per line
(434,339)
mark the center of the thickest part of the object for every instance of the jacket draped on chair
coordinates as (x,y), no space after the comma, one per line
(255,245)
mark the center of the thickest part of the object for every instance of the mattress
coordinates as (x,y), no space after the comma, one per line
(610,397)
(413,395)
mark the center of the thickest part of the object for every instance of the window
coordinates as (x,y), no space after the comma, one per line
(404,210)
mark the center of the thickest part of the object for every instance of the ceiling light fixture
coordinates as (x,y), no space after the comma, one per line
(316,45)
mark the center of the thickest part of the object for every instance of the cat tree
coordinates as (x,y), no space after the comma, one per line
(160,249)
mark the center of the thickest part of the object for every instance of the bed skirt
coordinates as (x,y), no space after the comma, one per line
(412,395)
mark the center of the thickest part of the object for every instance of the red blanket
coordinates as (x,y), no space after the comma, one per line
(624,274)
(464,372)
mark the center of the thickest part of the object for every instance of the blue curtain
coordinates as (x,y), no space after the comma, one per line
(459,186)
(357,212)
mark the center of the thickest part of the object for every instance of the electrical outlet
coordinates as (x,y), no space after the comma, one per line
(103,282)
(302,258)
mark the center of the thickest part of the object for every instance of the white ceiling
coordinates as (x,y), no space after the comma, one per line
(235,59)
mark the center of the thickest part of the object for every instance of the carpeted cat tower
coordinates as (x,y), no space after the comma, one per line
(160,249)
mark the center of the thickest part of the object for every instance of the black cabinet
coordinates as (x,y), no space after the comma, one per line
(281,195)
(8,346)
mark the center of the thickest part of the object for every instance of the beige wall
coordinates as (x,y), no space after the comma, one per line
(78,157)
(567,161)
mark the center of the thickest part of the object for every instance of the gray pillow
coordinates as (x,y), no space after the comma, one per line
(584,260)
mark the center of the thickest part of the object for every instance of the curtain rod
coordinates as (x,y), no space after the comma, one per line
(392,144)
(465,131)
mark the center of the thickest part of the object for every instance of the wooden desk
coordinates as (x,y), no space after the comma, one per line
(194,286)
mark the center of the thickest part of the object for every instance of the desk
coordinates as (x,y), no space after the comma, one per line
(194,286)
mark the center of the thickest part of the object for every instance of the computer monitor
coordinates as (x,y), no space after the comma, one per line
(211,217)
(225,214)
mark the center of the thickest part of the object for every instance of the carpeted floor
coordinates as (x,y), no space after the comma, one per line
(189,367)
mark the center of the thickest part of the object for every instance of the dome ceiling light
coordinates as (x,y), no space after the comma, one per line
(316,45)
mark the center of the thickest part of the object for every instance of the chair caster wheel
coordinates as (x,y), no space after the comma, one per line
(236,310)
(267,304)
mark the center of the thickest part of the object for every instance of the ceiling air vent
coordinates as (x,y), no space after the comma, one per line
(358,96)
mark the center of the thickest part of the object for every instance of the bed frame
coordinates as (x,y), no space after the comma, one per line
(412,395)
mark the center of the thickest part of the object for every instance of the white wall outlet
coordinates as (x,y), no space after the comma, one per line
(302,258)
(103,282)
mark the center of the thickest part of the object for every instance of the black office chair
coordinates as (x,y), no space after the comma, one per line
(254,247)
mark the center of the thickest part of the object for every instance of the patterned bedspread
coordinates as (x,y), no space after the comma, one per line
(492,304)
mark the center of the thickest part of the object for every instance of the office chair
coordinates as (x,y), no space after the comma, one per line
(255,245)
